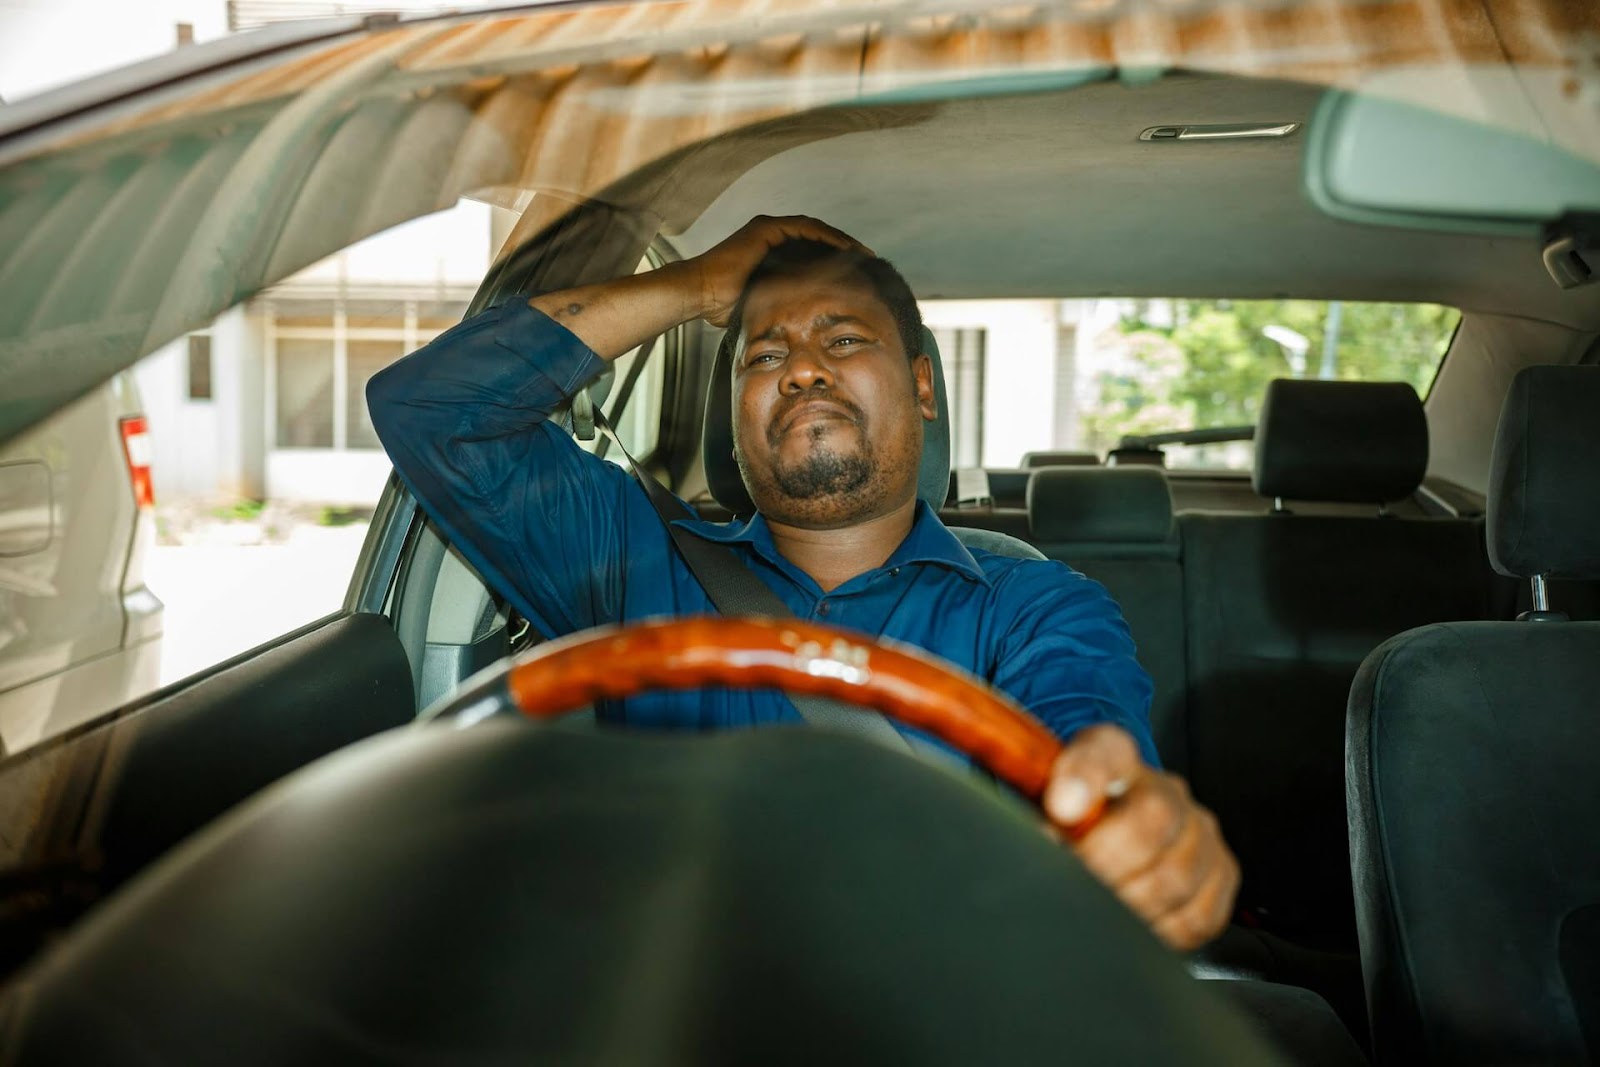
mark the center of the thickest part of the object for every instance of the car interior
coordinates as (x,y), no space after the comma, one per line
(1373,655)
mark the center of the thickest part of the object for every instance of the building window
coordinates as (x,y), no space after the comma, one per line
(363,359)
(305,392)
(963,353)
(199,366)
(325,352)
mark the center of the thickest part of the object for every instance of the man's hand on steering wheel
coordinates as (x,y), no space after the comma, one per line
(1159,850)
(1134,827)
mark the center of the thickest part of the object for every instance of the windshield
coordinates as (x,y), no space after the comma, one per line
(1028,376)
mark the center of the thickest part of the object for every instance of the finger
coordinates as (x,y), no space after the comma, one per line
(1176,875)
(1136,832)
(1099,762)
(1207,912)
(815,229)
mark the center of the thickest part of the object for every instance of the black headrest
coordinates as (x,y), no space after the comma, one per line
(716,445)
(1136,457)
(1354,442)
(1060,459)
(1084,505)
(1544,485)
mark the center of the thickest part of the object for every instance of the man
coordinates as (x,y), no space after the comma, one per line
(830,392)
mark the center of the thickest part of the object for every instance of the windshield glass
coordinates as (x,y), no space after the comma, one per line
(1138,367)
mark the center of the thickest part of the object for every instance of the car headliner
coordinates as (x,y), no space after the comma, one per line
(130,218)
(1055,195)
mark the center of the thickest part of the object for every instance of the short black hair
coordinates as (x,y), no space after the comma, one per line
(800,255)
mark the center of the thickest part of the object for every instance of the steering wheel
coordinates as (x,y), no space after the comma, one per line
(898,680)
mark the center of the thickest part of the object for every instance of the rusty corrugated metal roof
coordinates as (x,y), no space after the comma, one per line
(115,240)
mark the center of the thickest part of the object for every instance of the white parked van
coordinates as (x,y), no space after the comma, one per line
(80,633)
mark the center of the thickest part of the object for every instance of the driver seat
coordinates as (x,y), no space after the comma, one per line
(933,480)
(1471,759)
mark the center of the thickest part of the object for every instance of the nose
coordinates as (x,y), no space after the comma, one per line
(806,368)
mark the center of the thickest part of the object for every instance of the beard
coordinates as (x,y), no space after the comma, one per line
(823,489)
(823,472)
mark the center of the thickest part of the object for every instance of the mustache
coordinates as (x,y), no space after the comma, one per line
(782,414)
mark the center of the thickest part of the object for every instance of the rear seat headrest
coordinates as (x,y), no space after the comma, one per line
(1351,442)
(1544,484)
(1060,459)
(1099,505)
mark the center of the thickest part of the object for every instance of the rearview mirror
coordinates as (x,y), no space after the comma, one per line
(1379,160)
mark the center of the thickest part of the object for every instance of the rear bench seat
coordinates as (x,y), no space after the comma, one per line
(1115,525)
(1281,608)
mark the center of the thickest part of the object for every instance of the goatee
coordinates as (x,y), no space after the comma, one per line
(823,473)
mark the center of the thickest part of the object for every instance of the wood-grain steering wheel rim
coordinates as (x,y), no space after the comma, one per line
(699,652)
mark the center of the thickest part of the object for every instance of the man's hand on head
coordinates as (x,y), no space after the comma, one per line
(1159,850)
(722,269)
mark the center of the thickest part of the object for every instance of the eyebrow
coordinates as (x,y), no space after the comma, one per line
(821,322)
(827,322)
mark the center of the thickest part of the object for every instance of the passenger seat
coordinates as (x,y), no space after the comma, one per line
(1282,608)
(1115,525)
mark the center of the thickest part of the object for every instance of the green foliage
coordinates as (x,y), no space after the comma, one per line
(1180,364)
(332,516)
(243,510)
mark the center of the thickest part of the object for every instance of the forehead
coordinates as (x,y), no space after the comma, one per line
(793,301)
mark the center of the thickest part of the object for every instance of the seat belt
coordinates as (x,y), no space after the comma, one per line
(736,591)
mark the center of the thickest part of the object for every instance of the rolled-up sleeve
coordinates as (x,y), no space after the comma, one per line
(466,422)
(1069,658)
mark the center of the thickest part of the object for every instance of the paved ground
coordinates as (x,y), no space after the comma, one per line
(224,597)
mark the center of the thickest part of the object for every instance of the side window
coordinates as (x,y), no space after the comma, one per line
(634,406)
(217,495)
(634,402)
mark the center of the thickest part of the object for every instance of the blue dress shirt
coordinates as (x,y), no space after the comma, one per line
(573,542)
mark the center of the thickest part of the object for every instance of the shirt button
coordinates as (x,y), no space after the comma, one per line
(822,608)
(894,572)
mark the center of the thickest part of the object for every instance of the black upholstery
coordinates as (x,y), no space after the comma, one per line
(1280,611)
(716,443)
(1544,505)
(1114,524)
(1085,506)
(1298,1021)
(1136,457)
(1473,753)
(510,894)
(1060,459)
(1007,488)
(1361,442)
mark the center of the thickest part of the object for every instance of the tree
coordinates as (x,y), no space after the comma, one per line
(1136,394)
(1203,363)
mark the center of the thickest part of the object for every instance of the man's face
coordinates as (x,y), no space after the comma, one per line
(827,409)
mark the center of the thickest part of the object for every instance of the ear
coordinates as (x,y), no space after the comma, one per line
(922,381)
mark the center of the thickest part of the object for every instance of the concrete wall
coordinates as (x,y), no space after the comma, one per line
(218,449)
(183,462)
(1019,386)
(322,476)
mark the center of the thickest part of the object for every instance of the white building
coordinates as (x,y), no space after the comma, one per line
(290,367)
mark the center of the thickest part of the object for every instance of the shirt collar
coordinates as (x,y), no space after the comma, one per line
(928,541)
